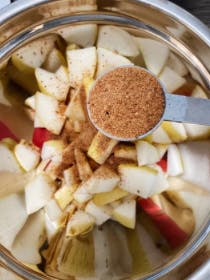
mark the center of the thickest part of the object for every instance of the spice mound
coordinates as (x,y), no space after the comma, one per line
(126,103)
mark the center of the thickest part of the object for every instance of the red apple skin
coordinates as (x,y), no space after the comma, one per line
(173,234)
(5,132)
(40,136)
(163,164)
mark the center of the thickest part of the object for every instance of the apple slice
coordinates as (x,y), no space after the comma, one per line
(158,136)
(101,147)
(81,64)
(27,155)
(71,176)
(29,240)
(196,160)
(54,119)
(174,161)
(38,192)
(117,40)
(31,102)
(104,198)
(79,223)
(108,60)
(177,65)
(52,149)
(83,165)
(53,210)
(126,152)
(54,60)
(171,80)
(174,235)
(83,35)
(146,153)
(63,196)
(12,218)
(8,161)
(99,213)
(176,131)
(143,181)
(104,179)
(41,135)
(81,195)
(5,132)
(155,54)
(33,54)
(50,84)
(125,213)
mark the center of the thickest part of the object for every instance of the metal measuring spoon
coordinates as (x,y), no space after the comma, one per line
(177,108)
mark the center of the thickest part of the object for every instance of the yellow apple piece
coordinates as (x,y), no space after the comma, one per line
(83,165)
(81,64)
(63,196)
(98,212)
(101,147)
(176,131)
(125,213)
(31,102)
(146,153)
(171,80)
(53,210)
(52,149)
(8,160)
(71,176)
(33,54)
(104,198)
(117,40)
(155,54)
(53,120)
(108,60)
(125,151)
(49,83)
(54,60)
(158,136)
(81,195)
(174,161)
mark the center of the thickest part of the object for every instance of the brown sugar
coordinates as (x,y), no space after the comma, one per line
(126,102)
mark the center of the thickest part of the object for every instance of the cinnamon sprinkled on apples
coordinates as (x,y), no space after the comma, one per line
(126,102)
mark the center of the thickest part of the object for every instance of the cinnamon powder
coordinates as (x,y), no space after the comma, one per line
(126,102)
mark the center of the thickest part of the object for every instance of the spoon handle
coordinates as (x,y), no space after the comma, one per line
(187,109)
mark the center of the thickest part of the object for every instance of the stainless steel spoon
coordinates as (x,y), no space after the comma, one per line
(178,108)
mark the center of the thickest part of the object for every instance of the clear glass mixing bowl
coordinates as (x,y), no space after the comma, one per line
(159,19)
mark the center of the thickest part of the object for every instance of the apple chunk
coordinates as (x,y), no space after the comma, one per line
(8,161)
(176,131)
(38,192)
(108,60)
(83,35)
(54,60)
(174,161)
(81,64)
(33,54)
(99,213)
(48,110)
(146,153)
(155,54)
(29,240)
(117,40)
(104,198)
(125,213)
(12,218)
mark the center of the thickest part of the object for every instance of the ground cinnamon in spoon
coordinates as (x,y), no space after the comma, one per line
(126,102)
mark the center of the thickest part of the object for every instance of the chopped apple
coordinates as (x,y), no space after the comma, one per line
(79,223)
(53,210)
(81,195)
(107,60)
(104,179)
(12,218)
(52,149)
(53,120)
(5,132)
(158,136)
(50,84)
(125,151)
(38,192)
(146,153)
(81,64)
(3,99)
(162,150)
(29,240)
(27,155)
(155,54)
(125,213)
(176,131)
(177,65)
(196,162)
(31,102)
(33,54)
(63,196)
(99,213)
(83,165)
(8,161)
(54,60)
(71,176)
(198,92)
(117,40)
(41,135)
(83,35)
(101,147)
(171,79)
(142,181)
(104,198)
(174,161)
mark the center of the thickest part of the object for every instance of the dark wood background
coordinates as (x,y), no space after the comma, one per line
(200,8)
